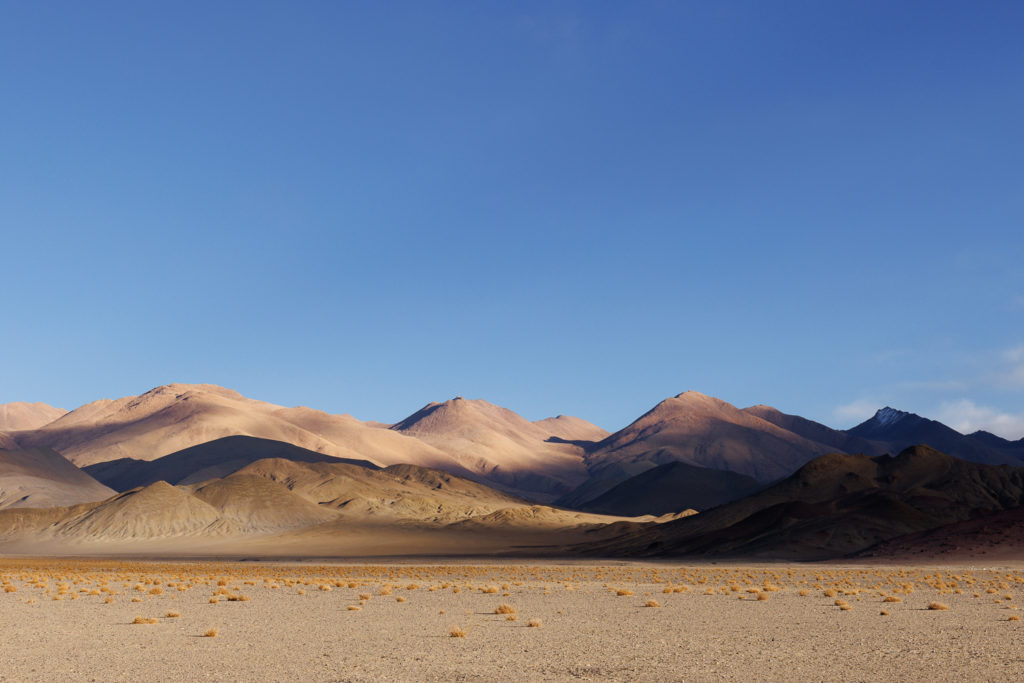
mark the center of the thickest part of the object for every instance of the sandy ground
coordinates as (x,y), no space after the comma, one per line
(289,628)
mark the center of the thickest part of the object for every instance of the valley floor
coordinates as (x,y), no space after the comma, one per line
(73,620)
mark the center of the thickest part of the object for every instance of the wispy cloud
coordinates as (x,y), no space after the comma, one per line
(1011,374)
(856,411)
(966,416)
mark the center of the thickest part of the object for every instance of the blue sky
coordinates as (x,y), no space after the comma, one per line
(569,207)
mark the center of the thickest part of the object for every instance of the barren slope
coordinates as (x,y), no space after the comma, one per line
(673,487)
(281,506)
(498,444)
(39,477)
(836,505)
(210,460)
(706,432)
(20,415)
(171,418)
(571,428)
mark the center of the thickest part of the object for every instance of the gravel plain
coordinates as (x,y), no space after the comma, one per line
(72,620)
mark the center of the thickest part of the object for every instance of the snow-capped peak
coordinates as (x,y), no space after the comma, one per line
(888,416)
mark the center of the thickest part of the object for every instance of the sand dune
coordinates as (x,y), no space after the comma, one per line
(20,415)
(39,477)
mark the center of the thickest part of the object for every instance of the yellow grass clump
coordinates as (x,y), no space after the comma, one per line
(145,620)
(535,623)
(212,633)
(937,606)
(504,608)
(652,603)
(456,632)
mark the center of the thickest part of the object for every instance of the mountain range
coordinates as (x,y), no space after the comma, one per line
(184,450)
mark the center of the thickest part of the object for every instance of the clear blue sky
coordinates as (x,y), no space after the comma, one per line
(561,207)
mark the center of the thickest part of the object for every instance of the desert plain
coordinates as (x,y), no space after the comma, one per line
(155,620)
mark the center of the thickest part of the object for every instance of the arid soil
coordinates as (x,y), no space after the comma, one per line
(73,620)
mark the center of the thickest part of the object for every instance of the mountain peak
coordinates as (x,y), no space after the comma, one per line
(889,416)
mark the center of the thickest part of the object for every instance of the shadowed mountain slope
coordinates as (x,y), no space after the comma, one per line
(995,536)
(673,487)
(833,506)
(210,460)
(838,440)
(899,429)
(40,477)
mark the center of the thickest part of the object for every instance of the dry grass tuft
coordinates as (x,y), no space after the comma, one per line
(623,591)
(354,608)
(892,598)
(937,606)
(505,608)
(1013,617)
(535,623)
(145,620)
(884,613)
(172,615)
(212,633)
(456,632)
(652,603)
(399,599)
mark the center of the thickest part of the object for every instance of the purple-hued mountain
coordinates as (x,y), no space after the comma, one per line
(899,429)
